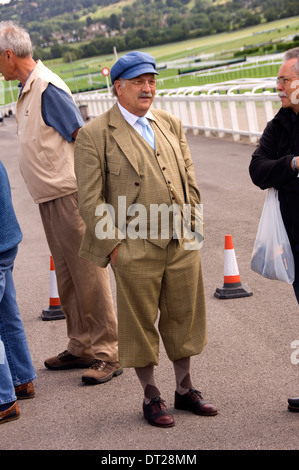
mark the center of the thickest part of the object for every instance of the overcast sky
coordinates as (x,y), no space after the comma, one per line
(4,1)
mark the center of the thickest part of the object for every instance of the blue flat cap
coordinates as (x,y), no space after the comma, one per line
(132,65)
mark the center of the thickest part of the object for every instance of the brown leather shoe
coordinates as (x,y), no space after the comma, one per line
(66,360)
(157,414)
(10,414)
(101,372)
(25,391)
(193,401)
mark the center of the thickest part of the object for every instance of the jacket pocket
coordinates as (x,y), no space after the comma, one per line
(46,163)
(113,172)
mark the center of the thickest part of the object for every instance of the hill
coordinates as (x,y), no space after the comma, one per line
(85,28)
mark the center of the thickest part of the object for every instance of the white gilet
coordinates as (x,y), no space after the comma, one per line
(46,159)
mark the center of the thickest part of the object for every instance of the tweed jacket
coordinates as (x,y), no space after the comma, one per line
(106,167)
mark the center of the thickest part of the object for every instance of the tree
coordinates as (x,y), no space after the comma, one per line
(113,21)
(56,51)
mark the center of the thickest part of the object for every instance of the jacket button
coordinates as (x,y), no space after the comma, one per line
(136,183)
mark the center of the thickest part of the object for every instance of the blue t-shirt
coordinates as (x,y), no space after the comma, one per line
(60,111)
(10,232)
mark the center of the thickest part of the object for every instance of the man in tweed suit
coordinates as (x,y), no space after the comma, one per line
(121,178)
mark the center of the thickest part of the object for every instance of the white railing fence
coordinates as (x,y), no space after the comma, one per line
(237,110)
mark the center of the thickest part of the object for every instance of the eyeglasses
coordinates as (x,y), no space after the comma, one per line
(140,83)
(283,80)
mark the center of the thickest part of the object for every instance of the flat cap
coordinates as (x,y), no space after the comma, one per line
(132,65)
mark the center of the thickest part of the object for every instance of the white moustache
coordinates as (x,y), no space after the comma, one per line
(281,94)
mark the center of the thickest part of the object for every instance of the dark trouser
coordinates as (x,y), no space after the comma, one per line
(84,288)
(289,206)
(296,282)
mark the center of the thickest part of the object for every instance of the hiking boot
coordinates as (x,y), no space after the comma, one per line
(66,360)
(101,371)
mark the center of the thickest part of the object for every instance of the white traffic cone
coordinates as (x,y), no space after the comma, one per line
(54,312)
(232,286)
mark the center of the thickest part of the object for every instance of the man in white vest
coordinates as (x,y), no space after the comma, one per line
(48,121)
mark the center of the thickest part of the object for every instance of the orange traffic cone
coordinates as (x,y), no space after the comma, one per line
(54,312)
(232,286)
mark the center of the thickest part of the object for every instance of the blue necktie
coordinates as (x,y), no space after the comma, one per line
(147,131)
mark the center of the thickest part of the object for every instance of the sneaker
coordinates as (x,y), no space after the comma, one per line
(66,360)
(25,391)
(193,401)
(10,414)
(157,414)
(101,371)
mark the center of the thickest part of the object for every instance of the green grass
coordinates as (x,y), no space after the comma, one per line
(106,12)
(116,9)
(225,43)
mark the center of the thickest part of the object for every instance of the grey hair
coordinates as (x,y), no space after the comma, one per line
(123,84)
(293,54)
(113,91)
(16,38)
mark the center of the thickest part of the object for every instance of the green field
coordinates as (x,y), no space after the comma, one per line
(79,74)
(105,12)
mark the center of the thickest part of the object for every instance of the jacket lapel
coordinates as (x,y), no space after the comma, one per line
(122,136)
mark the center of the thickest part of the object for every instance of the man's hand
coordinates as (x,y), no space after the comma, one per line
(113,255)
(75,133)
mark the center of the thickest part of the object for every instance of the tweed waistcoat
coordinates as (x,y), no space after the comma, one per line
(161,188)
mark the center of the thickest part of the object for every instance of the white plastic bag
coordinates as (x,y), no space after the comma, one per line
(272,256)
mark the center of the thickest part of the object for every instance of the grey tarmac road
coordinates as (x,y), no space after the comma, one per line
(245,369)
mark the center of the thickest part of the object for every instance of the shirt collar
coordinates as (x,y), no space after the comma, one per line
(132,118)
(22,87)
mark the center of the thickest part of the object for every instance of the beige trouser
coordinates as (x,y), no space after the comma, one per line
(149,279)
(84,288)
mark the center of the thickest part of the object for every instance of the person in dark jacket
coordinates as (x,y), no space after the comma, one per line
(275,162)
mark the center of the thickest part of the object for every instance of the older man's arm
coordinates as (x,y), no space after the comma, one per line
(91,178)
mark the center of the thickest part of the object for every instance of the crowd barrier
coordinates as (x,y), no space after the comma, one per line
(236,109)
